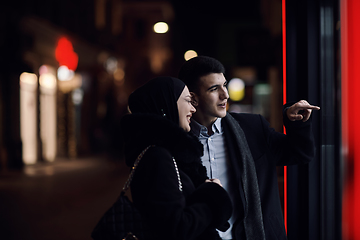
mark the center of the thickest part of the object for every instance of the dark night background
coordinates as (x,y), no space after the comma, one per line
(241,34)
(64,199)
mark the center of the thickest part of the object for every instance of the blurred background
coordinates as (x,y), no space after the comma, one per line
(67,68)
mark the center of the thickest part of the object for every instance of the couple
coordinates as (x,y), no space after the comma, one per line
(227,184)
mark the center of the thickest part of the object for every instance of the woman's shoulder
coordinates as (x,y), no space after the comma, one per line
(157,154)
(156,160)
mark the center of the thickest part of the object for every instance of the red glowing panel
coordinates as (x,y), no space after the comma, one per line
(350,76)
(284,99)
(65,55)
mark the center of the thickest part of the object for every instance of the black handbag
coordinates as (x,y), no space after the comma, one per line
(123,221)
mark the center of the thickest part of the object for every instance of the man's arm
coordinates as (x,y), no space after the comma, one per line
(298,143)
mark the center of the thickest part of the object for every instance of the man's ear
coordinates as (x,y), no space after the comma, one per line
(194,99)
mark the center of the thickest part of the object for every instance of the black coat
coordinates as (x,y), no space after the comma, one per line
(269,149)
(200,208)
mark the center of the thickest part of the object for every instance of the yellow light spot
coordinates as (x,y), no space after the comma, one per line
(29,78)
(236,89)
(190,54)
(47,80)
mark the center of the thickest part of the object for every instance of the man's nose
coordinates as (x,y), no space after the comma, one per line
(224,94)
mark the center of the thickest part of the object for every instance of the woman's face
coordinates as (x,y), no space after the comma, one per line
(185,109)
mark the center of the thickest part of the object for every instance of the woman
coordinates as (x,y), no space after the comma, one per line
(192,208)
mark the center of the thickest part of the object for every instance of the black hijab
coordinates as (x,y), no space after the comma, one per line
(158,96)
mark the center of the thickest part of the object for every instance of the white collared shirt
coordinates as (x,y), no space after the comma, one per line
(216,161)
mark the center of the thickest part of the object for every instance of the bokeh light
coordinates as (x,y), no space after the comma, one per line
(190,54)
(29,78)
(236,89)
(28,116)
(65,55)
(43,69)
(64,73)
(47,80)
(77,96)
(161,27)
(119,75)
(111,64)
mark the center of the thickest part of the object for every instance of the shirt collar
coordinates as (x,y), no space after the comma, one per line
(197,128)
(217,126)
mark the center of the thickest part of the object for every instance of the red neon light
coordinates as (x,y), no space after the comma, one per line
(65,55)
(284,100)
(350,80)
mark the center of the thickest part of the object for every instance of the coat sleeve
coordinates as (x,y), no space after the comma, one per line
(155,191)
(296,147)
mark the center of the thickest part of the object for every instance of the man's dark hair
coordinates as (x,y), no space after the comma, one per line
(197,67)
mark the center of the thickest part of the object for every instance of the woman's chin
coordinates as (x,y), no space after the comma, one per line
(186,128)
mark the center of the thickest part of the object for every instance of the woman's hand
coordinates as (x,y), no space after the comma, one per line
(214,180)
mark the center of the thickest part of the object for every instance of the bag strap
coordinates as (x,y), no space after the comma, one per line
(178,174)
(136,163)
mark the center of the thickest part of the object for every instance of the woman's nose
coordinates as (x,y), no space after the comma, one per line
(193,109)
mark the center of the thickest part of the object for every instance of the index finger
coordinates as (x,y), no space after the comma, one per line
(312,107)
(308,106)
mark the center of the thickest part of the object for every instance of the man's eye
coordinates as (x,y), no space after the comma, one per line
(213,89)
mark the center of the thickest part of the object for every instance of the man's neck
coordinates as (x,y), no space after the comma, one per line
(206,122)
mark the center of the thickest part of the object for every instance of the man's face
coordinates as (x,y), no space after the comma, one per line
(211,98)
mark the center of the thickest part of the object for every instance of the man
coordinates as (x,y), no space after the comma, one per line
(243,151)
